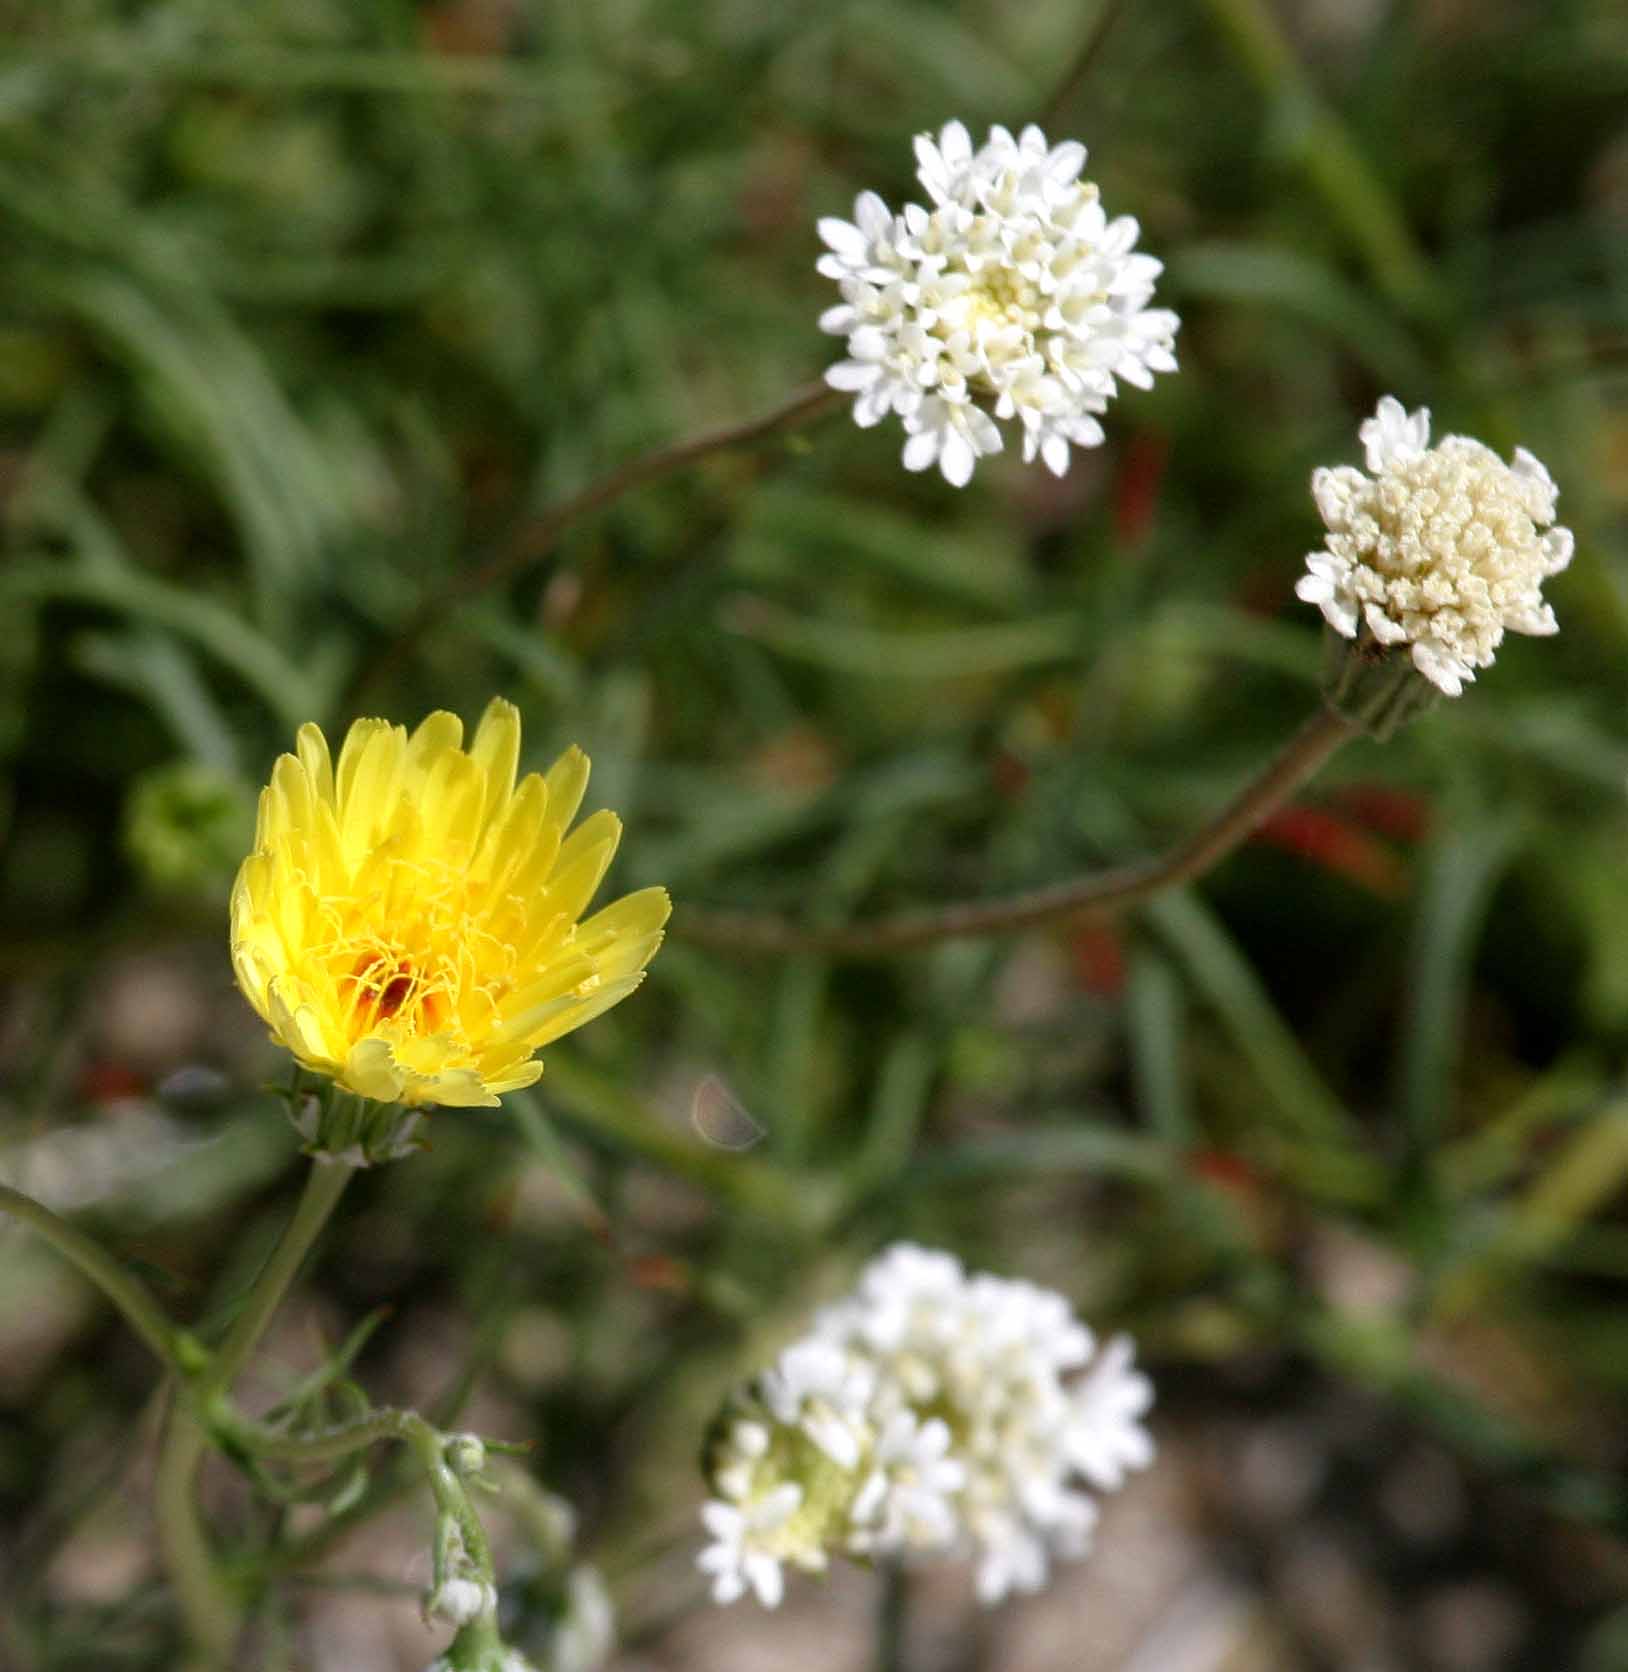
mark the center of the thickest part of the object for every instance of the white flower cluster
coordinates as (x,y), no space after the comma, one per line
(1441,548)
(1013,296)
(933,1413)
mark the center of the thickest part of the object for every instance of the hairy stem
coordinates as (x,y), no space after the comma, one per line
(1101,891)
(537,538)
(208,1606)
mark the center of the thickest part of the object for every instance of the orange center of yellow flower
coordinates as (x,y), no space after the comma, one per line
(386,986)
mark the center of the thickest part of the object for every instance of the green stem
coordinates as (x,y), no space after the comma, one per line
(141,1311)
(323,1188)
(429,1449)
(208,1605)
(325,1446)
(424,1441)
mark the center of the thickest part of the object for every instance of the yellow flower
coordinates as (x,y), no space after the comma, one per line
(408,923)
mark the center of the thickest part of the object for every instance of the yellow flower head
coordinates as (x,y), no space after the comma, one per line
(408,923)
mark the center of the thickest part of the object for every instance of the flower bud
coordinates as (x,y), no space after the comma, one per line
(185,825)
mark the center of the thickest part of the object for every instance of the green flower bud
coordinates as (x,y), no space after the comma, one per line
(186,826)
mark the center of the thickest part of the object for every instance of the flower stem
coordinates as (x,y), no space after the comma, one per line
(537,537)
(1084,61)
(1113,890)
(128,1294)
(892,1619)
(327,1445)
(323,1188)
(426,1443)
(208,1606)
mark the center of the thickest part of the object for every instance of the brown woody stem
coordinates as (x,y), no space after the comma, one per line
(536,538)
(1102,891)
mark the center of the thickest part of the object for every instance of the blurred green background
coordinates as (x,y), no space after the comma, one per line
(309,309)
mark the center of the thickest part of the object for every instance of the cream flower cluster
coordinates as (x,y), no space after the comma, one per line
(1014,296)
(1443,549)
(932,1413)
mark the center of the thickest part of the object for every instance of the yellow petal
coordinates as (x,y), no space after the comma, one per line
(289,803)
(517,1079)
(312,748)
(567,781)
(371,1070)
(638,915)
(429,864)
(250,970)
(458,1088)
(437,735)
(264,813)
(370,790)
(298,1023)
(496,750)
(573,1016)
(450,803)
(515,838)
(361,733)
(582,865)
(533,1003)
(628,955)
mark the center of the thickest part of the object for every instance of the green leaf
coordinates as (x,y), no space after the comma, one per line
(1297,1095)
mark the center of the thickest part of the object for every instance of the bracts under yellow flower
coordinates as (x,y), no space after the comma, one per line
(410,923)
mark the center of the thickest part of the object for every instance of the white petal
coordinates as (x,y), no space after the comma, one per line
(872,216)
(722,1521)
(1447,673)
(1316,589)
(728,1588)
(844,238)
(1086,432)
(1382,627)
(852,374)
(986,438)
(921,450)
(1065,162)
(956,459)
(1531,468)
(766,1579)
(1536,619)
(1391,436)
(956,143)
(872,405)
